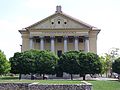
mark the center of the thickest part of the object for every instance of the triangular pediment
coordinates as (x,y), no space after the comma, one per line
(60,21)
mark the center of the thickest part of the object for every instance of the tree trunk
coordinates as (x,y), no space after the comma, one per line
(32,77)
(71,76)
(119,77)
(19,76)
(106,75)
(43,76)
(84,77)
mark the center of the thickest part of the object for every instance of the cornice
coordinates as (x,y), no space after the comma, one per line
(97,31)
(58,29)
(23,31)
(61,29)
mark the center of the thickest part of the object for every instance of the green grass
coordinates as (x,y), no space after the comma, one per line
(8,78)
(105,85)
(42,81)
(97,85)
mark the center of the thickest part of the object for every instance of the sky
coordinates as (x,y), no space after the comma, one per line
(18,14)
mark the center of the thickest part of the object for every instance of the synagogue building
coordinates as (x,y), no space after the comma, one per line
(60,33)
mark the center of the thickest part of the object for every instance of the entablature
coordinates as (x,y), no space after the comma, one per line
(58,33)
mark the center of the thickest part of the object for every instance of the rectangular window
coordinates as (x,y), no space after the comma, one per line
(59,39)
(81,40)
(37,40)
(47,40)
(70,39)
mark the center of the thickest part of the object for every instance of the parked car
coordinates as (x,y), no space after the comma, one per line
(115,75)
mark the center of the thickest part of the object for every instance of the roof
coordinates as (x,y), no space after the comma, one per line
(59,12)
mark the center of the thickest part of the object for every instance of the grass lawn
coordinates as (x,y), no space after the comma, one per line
(97,85)
(105,85)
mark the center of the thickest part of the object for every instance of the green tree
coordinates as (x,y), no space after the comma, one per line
(116,67)
(83,64)
(102,59)
(23,63)
(4,64)
(69,62)
(45,62)
(114,53)
(106,63)
(33,61)
(89,63)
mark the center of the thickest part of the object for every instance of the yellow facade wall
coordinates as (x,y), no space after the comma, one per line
(60,46)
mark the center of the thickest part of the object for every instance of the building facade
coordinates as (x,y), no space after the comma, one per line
(60,33)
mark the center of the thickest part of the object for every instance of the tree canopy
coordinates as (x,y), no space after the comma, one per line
(69,62)
(74,62)
(89,63)
(116,66)
(33,61)
(45,62)
(4,64)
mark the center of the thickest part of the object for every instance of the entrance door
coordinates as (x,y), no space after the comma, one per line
(59,73)
(59,53)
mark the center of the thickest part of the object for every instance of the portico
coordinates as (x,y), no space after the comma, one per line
(65,41)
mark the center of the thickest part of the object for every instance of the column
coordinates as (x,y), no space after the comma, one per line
(86,42)
(41,43)
(65,44)
(31,42)
(52,44)
(76,43)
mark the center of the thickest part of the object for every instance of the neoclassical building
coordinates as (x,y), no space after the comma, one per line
(60,33)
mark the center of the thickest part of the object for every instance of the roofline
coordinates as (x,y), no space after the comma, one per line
(40,21)
(79,21)
(68,16)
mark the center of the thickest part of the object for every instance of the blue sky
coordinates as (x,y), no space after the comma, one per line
(18,14)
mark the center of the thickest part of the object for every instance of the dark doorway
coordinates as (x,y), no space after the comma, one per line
(59,73)
(59,53)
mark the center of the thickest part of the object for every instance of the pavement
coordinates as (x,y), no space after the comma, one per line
(101,78)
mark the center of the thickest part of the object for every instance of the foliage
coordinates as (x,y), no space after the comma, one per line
(22,63)
(74,62)
(116,66)
(106,63)
(45,62)
(4,64)
(33,61)
(83,64)
(89,63)
(69,62)
(94,63)
(103,64)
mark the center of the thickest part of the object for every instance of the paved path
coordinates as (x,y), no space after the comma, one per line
(100,78)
